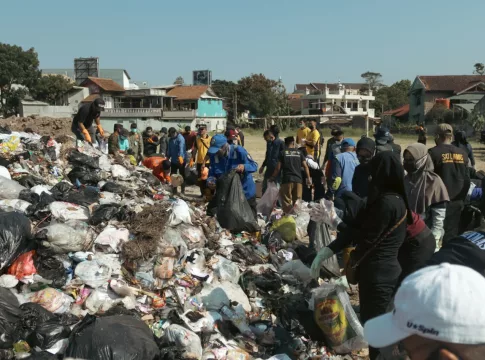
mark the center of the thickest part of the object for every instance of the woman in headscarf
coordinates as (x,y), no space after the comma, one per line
(426,191)
(462,143)
(366,147)
(382,221)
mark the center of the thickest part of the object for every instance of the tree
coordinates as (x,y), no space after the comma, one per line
(373,79)
(19,69)
(479,69)
(50,88)
(392,97)
(179,81)
(226,90)
(477,121)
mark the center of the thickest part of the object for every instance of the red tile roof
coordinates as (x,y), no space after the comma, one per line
(400,111)
(90,98)
(188,92)
(451,83)
(105,84)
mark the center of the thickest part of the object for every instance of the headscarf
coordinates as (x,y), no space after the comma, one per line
(424,187)
(367,144)
(387,175)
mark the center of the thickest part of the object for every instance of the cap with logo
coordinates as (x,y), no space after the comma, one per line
(217,142)
(442,303)
(382,135)
(444,130)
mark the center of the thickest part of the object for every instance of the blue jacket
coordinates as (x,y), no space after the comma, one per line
(273,152)
(176,148)
(344,167)
(237,156)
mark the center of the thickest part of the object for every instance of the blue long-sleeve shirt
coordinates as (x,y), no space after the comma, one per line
(176,148)
(273,152)
(237,155)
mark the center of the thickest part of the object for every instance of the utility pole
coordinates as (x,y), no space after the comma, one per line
(235,106)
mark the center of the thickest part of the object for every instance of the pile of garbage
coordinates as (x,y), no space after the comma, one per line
(98,260)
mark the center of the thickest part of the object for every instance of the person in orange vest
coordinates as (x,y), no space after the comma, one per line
(160,168)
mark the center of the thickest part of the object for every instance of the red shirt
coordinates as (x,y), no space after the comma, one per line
(190,138)
(417,226)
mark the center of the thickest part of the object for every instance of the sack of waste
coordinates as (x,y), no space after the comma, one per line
(65,211)
(180,213)
(10,189)
(80,159)
(15,236)
(233,210)
(63,238)
(52,300)
(106,212)
(185,339)
(112,338)
(320,234)
(120,172)
(9,316)
(113,238)
(93,273)
(336,318)
(23,266)
(14,205)
(268,201)
(51,269)
(84,175)
(286,226)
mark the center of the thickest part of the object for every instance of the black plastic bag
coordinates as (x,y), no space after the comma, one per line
(151,179)
(233,210)
(30,181)
(15,236)
(113,337)
(79,159)
(9,317)
(83,197)
(43,355)
(48,333)
(29,196)
(32,315)
(103,213)
(85,175)
(51,269)
(113,188)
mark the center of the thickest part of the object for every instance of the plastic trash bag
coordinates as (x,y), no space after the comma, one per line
(39,189)
(268,201)
(184,338)
(151,179)
(10,189)
(233,210)
(71,236)
(164,267)
(84,175)
(83,197)
(286,226)
(93,273)
(23,266)
(215,295)
(15,236)
(99,301)
(225,270)
(238,318)
(334,315)
(48,333)
(8,281)
(297,269)
(321,238)
(112,338)
(106,212)
(180,213)
(79,159)
(324,211)
(51,269)
(31,316)
(302,221)
(52,300)
(4,172)
(14,205)
(65,211)
(193,236)
(120,172)
(9,316)
(113,188)
(113,237)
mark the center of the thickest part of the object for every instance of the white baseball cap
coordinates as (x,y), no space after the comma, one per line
(443,302)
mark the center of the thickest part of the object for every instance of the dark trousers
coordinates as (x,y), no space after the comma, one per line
(374,299)
(452,219)
(415,252)
(178,169)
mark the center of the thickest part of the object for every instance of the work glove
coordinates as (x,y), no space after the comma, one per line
(324,211)
(181,160)
(324,254)
(336,183)
(191,163)
(101,131)
(87,137)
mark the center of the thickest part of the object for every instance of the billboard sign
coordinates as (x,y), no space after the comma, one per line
(202,77)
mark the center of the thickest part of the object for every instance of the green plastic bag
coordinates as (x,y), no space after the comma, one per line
(286,226)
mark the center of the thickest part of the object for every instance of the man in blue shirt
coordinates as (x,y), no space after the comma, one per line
(274,147)
(224,158)
(343,168)
(176,153)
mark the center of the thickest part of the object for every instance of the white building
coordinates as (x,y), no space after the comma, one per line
(340,98)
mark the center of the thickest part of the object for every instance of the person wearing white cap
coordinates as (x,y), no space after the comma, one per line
(438,314)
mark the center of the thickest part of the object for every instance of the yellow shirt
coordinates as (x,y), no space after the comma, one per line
(313,138)
(301,134)
(202,146)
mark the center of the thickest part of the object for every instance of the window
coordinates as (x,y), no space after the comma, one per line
(342,104)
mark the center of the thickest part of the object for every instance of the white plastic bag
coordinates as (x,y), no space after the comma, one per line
(4,172)
(99,301)
(193,236)
(14,205)
(267,202)
(39,189)
(302,221)
(93,273)
(215,295)
(324,211)
(180,213)
(65,211)
(52,300)
(71,236)
(225,270)
(185,339)
(8,281)
(113,237)
(10,189)
(298,269)
(120,172)
(342,330)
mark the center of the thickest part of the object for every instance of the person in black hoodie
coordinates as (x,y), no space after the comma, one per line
(366,148)
(150,142)
(163,141)
(386,209)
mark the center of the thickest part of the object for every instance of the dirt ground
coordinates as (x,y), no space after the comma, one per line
(40,125)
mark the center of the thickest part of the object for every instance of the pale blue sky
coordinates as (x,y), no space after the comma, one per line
(301,41)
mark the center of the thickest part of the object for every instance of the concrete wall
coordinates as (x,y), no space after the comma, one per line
(47,110)
(213,124)
(210,108)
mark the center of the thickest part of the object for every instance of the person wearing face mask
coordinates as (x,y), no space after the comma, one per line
(312,142)
(150,142)
(427,194)
(163,141)
(82,122)
(366,148)
(123,142)
(274,147)
(343,167)
(302,133)
(113,140)
(136,142)
(176,155)
(450,164)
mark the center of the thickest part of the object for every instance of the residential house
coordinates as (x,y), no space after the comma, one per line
(344,98)
(106,88)
(400,114)
(462,91)
(120,76)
